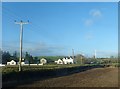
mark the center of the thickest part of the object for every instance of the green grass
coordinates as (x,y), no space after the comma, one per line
(9,69)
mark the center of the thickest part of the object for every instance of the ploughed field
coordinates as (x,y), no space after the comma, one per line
(96,77)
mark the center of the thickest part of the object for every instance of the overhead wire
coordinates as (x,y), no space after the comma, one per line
(32,26)
(12,16)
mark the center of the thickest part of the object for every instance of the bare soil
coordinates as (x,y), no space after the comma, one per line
(97,77)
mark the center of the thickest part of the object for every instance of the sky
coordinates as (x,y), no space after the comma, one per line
(60,1)
(55,28)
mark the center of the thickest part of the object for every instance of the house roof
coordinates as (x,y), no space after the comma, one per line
(13,60)
(69,57)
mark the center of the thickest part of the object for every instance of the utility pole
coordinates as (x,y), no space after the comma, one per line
(81,58)
(21,23)
(95,54)
(73,55)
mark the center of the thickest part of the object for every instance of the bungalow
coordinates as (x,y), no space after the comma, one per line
(68,60)
(59,61)
(12,62)
(43,61)
(65,61)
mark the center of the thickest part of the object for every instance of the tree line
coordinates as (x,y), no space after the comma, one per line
(79,59)
(7,57)
(28,58)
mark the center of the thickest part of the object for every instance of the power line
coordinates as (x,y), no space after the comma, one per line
(12,15)
(16,16)
(33,27)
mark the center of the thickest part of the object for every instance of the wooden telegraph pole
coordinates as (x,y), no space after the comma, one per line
(21,23)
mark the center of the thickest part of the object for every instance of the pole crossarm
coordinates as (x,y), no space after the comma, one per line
(21,22)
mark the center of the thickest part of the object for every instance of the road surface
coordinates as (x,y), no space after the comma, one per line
(98,77)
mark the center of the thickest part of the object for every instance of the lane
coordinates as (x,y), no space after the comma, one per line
(98,77)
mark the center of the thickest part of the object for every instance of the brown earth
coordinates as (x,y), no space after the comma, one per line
(97,77)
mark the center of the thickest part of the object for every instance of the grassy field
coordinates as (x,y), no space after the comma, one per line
(8,69)
(13,69)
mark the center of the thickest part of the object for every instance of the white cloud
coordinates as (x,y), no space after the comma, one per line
(39,48)
(95,13)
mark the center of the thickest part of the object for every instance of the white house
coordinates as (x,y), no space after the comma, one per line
(43,61)
(65,61)
(59,61)
(22,63)
(71,61)
(12,62)
(68,60)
